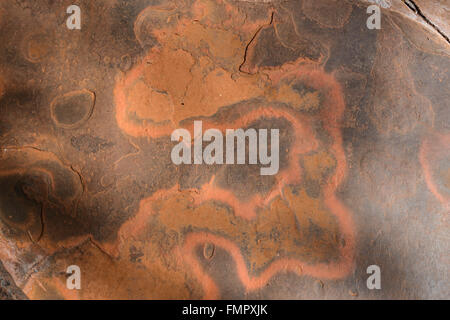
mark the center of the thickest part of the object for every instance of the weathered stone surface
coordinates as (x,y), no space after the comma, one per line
(86,176)
(8,289)
(436,12)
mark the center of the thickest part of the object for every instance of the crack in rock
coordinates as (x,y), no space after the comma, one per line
(415,8)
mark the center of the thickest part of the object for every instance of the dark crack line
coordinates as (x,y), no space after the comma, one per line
(99,247)
(411,5)
(41,233)
(42,224)
(83,190)
(252,39)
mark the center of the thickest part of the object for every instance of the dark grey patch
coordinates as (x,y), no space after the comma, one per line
(354,45)
(89,144)
(18,210)
(124,14)
(270,52)
(246,180)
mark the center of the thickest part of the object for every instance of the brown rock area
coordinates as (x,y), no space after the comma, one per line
(86,176)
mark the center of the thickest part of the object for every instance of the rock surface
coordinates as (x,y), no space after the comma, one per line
(86,176)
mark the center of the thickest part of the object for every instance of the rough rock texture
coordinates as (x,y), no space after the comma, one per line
(8,289)
(434,12)
(86,176)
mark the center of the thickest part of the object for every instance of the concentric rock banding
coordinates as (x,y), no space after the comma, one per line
(72,109)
